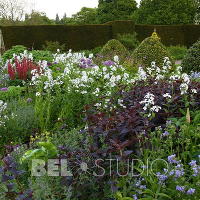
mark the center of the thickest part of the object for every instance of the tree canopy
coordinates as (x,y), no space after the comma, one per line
(166,12)
(109,10)
(85,16)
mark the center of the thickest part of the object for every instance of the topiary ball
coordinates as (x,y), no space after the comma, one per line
(151,49)
(191,61)
(112,48)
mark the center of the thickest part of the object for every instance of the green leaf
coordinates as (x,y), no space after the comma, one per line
(163,195)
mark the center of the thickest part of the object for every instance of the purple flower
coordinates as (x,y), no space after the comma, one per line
(191,191)
(49,64)
(108,63)
(161,177)
(171,159)
(168,123)
(180,188)
(179,173)
(86,63)
(166,133)
(135,197)
(29,100)
(4,89)
(142,187)
(193,163)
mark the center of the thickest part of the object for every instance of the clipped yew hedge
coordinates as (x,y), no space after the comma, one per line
(75,37)
(184,35)
(79,37)
(120,27)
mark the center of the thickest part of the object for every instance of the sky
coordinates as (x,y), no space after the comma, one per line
(51,7)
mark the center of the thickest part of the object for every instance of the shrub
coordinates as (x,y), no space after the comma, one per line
(128,40)
(39,55)
(53,46)
(177,52)
(122,127)
(151,49)
(191,61)
(112,48)
(19,124)
(11,92)
(14,50)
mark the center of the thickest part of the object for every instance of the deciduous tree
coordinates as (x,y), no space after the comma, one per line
(109,10)
(166,12)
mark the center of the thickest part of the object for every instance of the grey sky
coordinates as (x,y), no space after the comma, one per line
(51,7)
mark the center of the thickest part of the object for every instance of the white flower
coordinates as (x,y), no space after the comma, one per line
(91,55)
(38,94)
(185,78)
(167,95)
(107,76)
(142,75)
(118,77)
(153,64)
(155,108)
(83,92)
(104,69)
(96,68)
(126,76)
(97,104)
(116,59)
(148,100)
(194,91)
(184,88)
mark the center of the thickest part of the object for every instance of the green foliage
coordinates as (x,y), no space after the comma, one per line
(45,151)
(72,139)
(39,55)
(151,49)
(11,93)
(128,40)
(112,48)
(191,61)
(14,50)
(53,46)
(160,12)
(94,51)
(20,124)
(85,16)
(177,52)
(33,37)
(115,10)
(37,18)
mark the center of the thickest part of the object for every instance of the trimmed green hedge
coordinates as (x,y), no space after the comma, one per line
(183,35)
(169,34)
(192,34)
(75,37)
(120,27)
(81,37)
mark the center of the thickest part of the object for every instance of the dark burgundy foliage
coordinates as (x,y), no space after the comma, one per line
(123,128)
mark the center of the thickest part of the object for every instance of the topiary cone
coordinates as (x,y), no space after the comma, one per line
(151,49)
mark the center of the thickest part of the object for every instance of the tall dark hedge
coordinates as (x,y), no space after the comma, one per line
(80,37)
(75,37)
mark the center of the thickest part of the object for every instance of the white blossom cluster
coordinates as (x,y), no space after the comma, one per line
(3,117)
(154,71)
(96,80)
(148,104)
